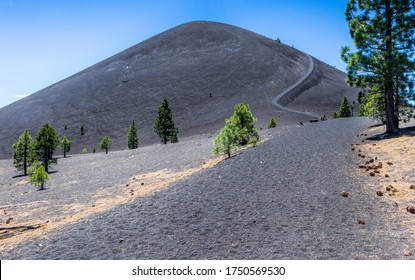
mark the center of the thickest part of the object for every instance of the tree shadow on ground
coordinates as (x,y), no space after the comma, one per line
(407,131)
(376,125)
(20,175)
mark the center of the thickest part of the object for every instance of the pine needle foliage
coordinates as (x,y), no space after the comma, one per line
(66,145)
(132,136)
(272,123)
(164,124)
(23,155)
(238,131)
(245,123)
(47,141)
(227,140)
(106,143)
(38,176)
(383,65)
(344,110)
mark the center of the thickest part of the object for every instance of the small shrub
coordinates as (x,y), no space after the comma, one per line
(106,143)
(323,118)
(253,141)
(227,140)
(66,146)
(344,110)
(84,151)
(272,123)
(38,175)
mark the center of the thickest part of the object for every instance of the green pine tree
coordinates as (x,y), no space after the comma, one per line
(272,123)
(66,146)
(164,124)
(38,176)
(106,143)
(239,130)
(227,140)
(344,109)
(245,122)
(174,138)
(132,137)
(23,154)
(383,33)
(47,141)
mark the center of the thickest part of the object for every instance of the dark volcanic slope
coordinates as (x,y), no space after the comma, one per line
(185,64)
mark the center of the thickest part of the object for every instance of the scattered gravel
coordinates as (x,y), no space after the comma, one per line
(279,200)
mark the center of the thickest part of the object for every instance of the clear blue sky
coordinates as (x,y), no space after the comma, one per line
(44,41)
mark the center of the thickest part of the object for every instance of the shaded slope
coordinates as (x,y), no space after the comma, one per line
(185,64)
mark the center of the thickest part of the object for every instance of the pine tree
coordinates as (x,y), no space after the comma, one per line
(23,154)
(164,124)
(47,141)
(174,138)
(344,110)
(272,123)
(106,143)
(66,146)
(239,130)
(383,33)
(227,140)
(132,138)
(38,175)
(245,123)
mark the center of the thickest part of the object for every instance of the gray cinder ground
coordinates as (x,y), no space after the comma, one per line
(279,200)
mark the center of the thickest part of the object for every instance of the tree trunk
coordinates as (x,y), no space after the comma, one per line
(46,160)
(41,187)
(392,122)
(25,161)
(106,150)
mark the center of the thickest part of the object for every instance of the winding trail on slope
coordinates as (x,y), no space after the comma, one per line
(276,100)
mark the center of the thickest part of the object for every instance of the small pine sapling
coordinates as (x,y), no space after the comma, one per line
(37,175)
(227,140)
(66,145)
(272,123)
(106,143)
